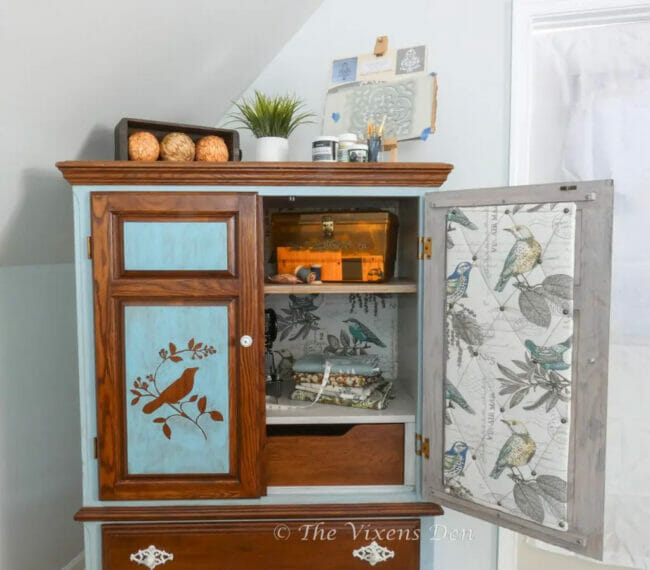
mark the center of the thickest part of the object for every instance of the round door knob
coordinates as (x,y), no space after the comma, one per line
(246,341)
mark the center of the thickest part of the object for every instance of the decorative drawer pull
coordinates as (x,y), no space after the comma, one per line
(151,557)
(373,553)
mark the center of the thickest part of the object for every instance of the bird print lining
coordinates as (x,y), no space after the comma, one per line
(509,331)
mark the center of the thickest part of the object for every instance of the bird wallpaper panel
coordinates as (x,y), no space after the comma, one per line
(344,325)
(509,334)
(176,392)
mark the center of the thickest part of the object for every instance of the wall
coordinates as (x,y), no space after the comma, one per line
(70,70)
(469,47)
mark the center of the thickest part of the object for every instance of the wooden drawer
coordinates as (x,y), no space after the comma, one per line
(268,545)
(363,454)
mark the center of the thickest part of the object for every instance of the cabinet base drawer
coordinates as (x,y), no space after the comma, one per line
(271,545)
(362,454)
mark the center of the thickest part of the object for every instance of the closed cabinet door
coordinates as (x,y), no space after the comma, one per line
(178,344)
(516,322)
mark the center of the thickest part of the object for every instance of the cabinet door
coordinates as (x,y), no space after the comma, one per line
(516,317)
(179,344)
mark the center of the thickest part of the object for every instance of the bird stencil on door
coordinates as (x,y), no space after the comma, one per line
(176,400)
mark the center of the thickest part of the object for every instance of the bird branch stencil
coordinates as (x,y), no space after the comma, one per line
(178,395)
(538,370)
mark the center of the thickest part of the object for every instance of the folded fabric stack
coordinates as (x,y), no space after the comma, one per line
(353,381)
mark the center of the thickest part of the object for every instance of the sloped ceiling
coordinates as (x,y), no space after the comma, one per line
(72,68)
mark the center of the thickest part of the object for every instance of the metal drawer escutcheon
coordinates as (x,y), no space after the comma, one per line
(151,557)
(373,553)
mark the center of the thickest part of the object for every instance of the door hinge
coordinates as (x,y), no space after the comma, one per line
(95,448)
(421,445)
(89,247)
(424,247)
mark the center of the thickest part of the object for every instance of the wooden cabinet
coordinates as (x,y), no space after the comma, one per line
(493,334)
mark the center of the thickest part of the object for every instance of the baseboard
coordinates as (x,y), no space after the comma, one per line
(77,563)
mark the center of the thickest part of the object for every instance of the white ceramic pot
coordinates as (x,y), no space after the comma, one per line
(272,149)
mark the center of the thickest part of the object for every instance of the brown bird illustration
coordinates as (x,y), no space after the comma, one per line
(175,392)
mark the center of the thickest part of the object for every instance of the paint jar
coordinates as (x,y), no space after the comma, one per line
(346,140)
(358,153)
(324,149)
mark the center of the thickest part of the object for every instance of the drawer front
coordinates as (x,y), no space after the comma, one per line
(269,545)
(364,454)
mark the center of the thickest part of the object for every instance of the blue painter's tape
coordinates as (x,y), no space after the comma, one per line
(336,117)
(425,133)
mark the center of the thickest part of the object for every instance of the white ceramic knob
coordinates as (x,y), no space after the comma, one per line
(246,341)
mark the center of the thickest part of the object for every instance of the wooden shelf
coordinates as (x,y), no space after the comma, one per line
(400,410)
(370,174)
(397,286)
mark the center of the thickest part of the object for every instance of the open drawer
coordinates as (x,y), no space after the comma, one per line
(339,454)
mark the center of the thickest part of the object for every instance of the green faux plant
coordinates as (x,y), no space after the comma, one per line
(267,116)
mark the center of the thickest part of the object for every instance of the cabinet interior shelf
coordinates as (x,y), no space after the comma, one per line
(395,286)
(400,410)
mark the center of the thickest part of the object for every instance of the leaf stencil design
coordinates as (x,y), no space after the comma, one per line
(529,502)
(535,308)
(553,487)
(177,396)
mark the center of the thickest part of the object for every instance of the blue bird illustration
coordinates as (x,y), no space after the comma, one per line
(550,357)
(458,216)
(458,282)
(454,460)
(455,397)
(524,255)
(517,451)
(361,333)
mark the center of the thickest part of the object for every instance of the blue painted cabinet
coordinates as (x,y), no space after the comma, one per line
(171,298)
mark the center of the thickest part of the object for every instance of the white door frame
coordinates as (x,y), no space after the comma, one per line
(530,17)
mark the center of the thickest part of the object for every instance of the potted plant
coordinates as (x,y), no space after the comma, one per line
(271,120)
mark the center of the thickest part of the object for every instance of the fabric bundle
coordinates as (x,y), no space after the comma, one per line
(350,381)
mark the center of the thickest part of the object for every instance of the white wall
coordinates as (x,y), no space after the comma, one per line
(70,70)
(469,47)
(40,482)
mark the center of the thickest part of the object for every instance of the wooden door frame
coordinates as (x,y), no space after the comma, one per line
(239,287)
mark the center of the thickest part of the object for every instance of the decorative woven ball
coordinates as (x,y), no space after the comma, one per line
(212,148)
(143,146)
(177,147)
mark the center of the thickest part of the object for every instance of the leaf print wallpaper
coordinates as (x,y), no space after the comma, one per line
(509,330)
(330,324)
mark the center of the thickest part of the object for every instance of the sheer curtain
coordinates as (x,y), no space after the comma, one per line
(591,120)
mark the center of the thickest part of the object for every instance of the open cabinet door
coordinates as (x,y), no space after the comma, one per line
(516,319)
(178,344)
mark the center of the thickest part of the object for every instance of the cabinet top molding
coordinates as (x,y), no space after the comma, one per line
(424,174)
